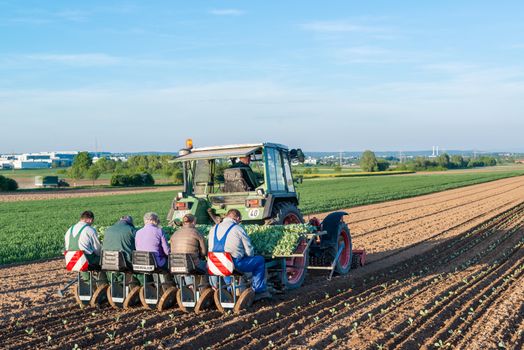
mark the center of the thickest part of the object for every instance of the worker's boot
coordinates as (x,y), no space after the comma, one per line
(262,295)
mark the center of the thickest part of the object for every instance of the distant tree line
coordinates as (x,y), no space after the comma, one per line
(444,162)
(136,171)
(369,162)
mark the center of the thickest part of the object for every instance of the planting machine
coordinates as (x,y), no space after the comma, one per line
(213,185)
(263,190)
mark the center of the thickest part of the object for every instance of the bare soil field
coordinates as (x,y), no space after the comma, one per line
(444,270)
(28,182)
(78,193)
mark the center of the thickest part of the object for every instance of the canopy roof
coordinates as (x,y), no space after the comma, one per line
(220,152)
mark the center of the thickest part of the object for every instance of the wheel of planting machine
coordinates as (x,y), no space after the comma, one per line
(293,269)
(99,295)
(168,299)
(338,236)
(114,304)
(205,301)
(244,301)
(81,303)
(344,261)
(133,298)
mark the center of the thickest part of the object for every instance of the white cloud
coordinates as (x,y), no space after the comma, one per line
(339,27)
(450,67)
(462,111)
(72,15)
(227,12)
(87,59)
(375,55)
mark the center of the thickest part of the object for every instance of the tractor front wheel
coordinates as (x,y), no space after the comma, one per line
(286,213)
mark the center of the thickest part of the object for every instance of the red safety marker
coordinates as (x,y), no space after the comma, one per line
(220,264)
(76,261)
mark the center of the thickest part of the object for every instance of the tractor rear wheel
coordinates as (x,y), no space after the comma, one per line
(293,269)
(345,259)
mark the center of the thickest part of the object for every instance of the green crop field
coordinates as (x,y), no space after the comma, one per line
(32,230)
(317,195)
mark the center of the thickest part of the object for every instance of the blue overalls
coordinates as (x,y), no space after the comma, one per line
(254,264)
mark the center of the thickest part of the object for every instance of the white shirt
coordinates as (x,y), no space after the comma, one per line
(237,241)
(88,241)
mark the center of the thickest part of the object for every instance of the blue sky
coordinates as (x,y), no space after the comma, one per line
(331,75)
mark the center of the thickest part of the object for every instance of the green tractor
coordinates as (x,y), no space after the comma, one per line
(216,180)
(257,180)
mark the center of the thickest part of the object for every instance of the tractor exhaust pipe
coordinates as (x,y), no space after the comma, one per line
(63,292)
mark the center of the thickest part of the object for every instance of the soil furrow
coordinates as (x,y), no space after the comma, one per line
(383,308)
(346,304)
(419,250)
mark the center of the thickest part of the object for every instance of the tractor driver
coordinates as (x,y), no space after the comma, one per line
(248,174)
(229,236)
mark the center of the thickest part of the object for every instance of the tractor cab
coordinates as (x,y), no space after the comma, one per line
(256,179)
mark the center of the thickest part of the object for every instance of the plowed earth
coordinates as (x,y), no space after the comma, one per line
(444,270)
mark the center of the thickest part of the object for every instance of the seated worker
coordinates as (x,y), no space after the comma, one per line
(150,238)
(188,240)
(121,237)
(248,174)
(81,236)
(230,237)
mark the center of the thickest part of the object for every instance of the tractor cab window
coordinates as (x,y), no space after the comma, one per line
(289,176)
(243,174)
(228,175)
(202,177)
(275,168)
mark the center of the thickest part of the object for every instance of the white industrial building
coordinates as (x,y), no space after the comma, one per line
(40,160)
(311,161)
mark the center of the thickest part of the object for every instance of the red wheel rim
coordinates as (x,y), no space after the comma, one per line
(294,273)
(291,218)
(343,259)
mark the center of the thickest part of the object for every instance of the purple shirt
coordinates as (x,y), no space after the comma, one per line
(150,238)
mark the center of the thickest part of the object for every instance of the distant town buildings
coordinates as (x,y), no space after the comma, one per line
(115,158)
(311,161)
(41,160)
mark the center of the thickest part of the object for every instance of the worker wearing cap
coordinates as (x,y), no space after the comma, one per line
(82,236)
(187,240)
(121,237)
(230,237)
